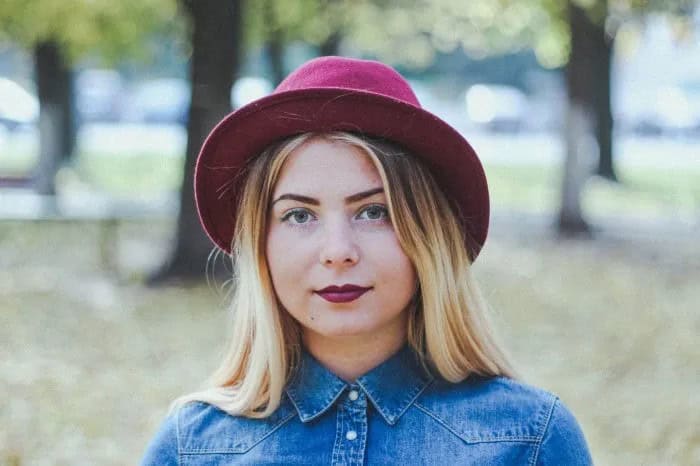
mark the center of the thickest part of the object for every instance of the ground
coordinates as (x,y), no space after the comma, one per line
(91,357)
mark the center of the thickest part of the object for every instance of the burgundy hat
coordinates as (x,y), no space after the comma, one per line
(339,94)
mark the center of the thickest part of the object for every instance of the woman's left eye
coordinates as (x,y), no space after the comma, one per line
(374,212)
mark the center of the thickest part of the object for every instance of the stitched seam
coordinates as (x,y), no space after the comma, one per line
(536,455)
(337,445)
(523,438)
(436,418)
(396,416)
(277,426)
(412,400)
(197,451)
(326,405)
(369,395)
(362,449)
(290,395)
(177,435)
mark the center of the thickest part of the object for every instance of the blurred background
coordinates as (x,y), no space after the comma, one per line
(586,115)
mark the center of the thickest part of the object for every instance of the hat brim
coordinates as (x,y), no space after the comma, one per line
(246,132)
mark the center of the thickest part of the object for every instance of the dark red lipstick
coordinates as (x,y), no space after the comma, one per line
(342,294)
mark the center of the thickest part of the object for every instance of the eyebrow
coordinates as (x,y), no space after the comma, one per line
(348,200)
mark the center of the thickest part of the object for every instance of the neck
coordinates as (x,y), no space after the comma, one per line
(351,356)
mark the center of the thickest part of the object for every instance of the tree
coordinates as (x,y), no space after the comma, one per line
(592,28)
(587,77)
(409,32)
(576,34)
(215,32)
(274,40)
(57,129)
(273,24)
(588,74)
(60,33)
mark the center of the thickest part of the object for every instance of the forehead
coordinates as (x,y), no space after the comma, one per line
(320,166)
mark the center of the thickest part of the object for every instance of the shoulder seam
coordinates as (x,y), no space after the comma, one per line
(547,423)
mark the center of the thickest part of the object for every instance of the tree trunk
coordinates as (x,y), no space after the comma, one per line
(588,76)
(580,73)
(56,115)
(274,43)
(581,150)
(216,35)
(604,127)
(331,45)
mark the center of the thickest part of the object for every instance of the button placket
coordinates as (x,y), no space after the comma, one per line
(351,441)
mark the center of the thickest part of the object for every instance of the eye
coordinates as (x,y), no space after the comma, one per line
(374,212)
(297,216)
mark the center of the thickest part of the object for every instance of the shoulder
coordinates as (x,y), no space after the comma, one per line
(489,408)
(493,409)
(198,427)
(204,428)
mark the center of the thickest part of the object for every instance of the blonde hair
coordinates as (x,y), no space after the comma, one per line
(448,328)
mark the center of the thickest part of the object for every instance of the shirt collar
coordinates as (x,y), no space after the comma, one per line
(391,387)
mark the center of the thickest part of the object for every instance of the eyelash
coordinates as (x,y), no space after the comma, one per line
(287,215)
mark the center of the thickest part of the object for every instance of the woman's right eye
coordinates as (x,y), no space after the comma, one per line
(297,217)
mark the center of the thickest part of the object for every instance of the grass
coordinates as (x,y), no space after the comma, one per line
(92,359)
(128,174)
(643,191)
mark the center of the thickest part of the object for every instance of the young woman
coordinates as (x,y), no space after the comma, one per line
(358,334)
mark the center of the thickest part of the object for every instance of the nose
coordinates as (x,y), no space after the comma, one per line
(338,247)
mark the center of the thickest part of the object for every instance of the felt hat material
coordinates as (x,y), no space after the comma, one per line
(339,94)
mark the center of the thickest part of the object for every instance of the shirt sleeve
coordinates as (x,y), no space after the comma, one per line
(563,441)
(163,447)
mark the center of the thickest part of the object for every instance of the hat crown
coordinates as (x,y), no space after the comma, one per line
(351,74)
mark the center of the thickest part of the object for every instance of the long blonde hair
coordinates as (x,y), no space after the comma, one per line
(448,328)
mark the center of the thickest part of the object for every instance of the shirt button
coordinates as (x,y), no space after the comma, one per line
(351,435)
(353,395)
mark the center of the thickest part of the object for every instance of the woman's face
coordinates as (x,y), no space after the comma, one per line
(329,227)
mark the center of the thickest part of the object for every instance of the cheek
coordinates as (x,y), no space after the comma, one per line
(287,258)
(405,278)
(277,260)
(394,269)
(279,264)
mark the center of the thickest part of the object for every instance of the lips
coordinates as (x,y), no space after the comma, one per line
(342,294)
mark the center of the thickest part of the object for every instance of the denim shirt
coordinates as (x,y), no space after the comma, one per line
(395,414)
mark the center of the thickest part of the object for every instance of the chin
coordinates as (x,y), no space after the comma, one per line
(351,329)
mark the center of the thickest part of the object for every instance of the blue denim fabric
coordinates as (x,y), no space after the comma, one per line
(395,414)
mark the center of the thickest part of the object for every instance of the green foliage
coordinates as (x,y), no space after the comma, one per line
(411,32)
(551,37)
(110,28)
(312,21)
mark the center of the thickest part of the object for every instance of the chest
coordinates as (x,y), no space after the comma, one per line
(355,434)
